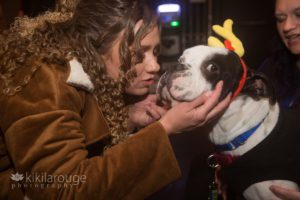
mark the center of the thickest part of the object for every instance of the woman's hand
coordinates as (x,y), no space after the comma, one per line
(285,194)
(189,115)
(144,112)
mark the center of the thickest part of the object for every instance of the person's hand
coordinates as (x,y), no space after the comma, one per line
(144,112)
(285,194)
(188,115)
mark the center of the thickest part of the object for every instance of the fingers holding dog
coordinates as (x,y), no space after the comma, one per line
(189,115)
(201,111)
(212,107)
(219,108)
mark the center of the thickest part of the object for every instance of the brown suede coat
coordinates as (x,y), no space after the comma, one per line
(53,128)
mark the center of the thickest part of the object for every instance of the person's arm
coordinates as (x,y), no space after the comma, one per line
(285,194)
(43,135)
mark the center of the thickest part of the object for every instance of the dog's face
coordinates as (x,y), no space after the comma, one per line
(200,68)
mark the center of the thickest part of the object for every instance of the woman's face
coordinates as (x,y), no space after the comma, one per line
(146,70)
(287,13)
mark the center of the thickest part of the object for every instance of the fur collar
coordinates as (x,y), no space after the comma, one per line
(78,77)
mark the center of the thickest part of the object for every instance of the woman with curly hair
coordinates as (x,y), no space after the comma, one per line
(66,130)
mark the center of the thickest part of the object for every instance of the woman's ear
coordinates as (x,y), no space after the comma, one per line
(259,86)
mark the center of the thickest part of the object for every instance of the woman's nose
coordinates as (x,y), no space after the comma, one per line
(289,24)
(153,66)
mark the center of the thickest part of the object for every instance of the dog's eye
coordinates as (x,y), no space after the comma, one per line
(212,68)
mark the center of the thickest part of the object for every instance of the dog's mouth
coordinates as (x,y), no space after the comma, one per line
(164,92)
(162,97)
(175,86)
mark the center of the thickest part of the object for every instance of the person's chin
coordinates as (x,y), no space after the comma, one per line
(295,50)
(138,91)
(294,47)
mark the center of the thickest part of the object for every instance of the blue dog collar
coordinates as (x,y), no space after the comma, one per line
(238,141)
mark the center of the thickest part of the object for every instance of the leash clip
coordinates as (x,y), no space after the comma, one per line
(212,161)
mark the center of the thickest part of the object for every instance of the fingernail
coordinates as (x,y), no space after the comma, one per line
(219,84)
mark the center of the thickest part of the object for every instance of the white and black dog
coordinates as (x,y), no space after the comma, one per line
(258,143)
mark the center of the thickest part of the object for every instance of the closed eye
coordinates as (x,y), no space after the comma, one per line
(280,17)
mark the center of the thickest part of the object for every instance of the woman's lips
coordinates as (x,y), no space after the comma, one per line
(293,40)
(148,82)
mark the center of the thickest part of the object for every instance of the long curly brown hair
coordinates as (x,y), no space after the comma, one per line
(83,30)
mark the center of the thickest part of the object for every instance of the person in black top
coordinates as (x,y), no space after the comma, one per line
(283,67)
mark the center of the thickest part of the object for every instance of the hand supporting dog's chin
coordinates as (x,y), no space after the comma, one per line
(166,102)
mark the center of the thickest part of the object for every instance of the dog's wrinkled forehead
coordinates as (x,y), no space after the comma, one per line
(196,55)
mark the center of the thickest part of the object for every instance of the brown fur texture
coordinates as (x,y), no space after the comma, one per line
(85,30)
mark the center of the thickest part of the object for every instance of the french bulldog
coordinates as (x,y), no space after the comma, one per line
(257,143)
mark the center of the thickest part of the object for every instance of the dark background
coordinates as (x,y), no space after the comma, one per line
(253,24)
(253,21)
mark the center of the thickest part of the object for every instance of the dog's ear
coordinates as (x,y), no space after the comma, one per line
(258,86)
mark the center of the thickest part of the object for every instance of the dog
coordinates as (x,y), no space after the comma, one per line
(251,130)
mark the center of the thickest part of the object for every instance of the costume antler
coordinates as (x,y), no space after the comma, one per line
(231,41)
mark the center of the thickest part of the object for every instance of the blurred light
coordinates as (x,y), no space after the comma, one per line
(167,8)
(174,23)
(197,1)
